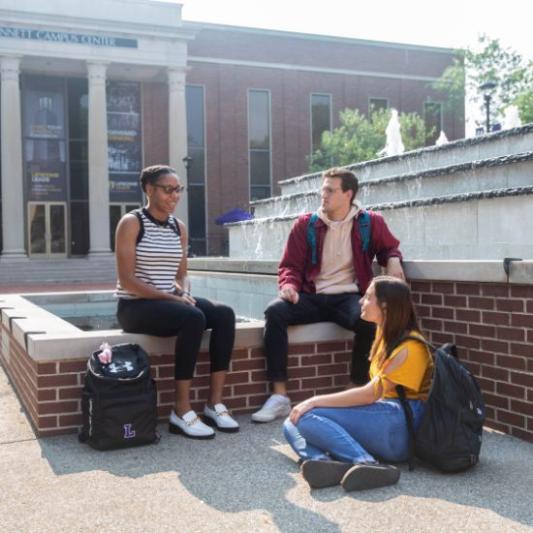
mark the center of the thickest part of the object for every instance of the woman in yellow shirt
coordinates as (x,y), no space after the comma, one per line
(339,436)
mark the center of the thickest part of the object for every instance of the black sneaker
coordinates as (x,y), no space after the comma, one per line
(369,476)
(320,474)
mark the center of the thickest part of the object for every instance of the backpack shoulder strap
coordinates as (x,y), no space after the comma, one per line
(407,411)
(311,237)
(364,229)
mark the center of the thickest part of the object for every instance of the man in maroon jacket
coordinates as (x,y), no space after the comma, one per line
(322,275)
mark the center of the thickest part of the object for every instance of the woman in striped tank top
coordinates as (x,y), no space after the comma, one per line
(153,297)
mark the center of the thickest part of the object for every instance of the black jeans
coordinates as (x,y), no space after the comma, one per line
(164,318)
(343,309)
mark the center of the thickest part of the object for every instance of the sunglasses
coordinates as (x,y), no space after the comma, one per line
(168,189)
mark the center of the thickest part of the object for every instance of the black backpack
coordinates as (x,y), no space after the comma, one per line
(119,400)
(449,435)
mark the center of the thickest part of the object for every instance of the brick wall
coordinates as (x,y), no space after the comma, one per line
(492,326)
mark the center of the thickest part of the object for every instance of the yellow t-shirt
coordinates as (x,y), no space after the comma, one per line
(414,373)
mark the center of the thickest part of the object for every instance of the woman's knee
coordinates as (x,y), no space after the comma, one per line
(195,319)
(225,315)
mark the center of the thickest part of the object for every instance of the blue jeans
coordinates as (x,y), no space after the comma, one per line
(354,434)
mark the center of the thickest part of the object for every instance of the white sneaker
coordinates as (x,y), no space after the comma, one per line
(276,406)
(220,418)
(190,426)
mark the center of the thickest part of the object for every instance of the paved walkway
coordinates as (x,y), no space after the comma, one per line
(239,483)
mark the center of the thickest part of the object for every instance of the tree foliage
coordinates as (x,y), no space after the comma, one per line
(361,138)
(491,62)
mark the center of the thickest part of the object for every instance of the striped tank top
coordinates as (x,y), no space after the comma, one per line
(158,253)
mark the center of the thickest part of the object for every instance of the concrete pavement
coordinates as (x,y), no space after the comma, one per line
(246,482)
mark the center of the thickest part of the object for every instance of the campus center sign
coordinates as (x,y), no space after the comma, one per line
(65,37)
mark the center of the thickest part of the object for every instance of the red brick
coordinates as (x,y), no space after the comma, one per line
(522,291)
(487,385)
(235,403)
(455,327)
(423,311)
(58,380)
(501,291)
(490,413)
(257,352)
(496,401)
(153,371)
(70,420)
(326,370)
(420,286)
(66,367)
(166,371)
(441,338)
(524,350)
(508,361)
(481,330)
(48,368)
(46,395)
(300,396)
(442,312)
(511,334)
(495,373)
(522,408)
(251,388)
(165,384)
(201,381)
(522,379)
(511,418)
(430,324)
(242,353)
(294,385)
(163,411)
(257,400)
(341,381)
(259,375)
(476,302)
(522,321)
(324,381)
(529,307)
(70,393)
(468,342)
(237,377)
(497,426)
(302,348)
(166,397)
(320,359)
(475,368)
(495,346)
(467,315)
(455,301)
(511,390)
(342,357)
(303,372)
(57,407)
(524,435)
(530,395)
(249,364)
(431,299)
(495,317)
(415,297)
(46,422)
(443,287)
(516,306)
(202,369)
(330,346)
(530,336)
(467,288)
(162,359)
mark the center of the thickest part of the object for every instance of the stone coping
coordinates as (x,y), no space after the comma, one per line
(489,271)
(47,337)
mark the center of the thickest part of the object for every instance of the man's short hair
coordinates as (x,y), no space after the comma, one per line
(349,181)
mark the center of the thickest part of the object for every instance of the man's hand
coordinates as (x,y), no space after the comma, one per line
(394,268)
(289,294)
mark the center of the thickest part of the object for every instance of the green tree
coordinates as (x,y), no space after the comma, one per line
(360,138)
(524,102)
(492,62)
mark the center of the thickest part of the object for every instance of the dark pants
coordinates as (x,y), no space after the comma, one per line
(343,309)
(164,318)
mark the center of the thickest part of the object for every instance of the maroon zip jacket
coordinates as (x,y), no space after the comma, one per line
(296,269)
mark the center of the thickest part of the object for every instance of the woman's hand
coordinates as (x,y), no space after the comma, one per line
(299,409)
(185,298)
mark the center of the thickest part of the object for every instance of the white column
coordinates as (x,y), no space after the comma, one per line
(177,133)
(13,208)
(98,164)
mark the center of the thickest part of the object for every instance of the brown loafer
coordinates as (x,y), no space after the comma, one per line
(369,476)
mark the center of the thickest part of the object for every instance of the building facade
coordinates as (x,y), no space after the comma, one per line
(93,92)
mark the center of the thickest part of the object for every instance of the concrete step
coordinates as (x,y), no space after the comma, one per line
(503,143)
(476,176)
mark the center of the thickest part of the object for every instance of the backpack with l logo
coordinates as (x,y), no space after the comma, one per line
(119,400)
(449,434)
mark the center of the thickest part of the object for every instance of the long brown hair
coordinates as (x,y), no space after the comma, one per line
(399,318)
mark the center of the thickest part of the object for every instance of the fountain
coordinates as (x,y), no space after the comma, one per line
(394,144)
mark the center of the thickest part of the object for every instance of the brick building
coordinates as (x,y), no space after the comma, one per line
(91,94)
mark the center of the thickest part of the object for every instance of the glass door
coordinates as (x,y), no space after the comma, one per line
(47,229)
(116,212)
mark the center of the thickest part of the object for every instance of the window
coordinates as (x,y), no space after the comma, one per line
(196,170)
(259,143)
(320,118)
(377,104)
(433,120)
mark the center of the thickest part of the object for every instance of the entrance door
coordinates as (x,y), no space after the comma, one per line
(47,224)
(116,212)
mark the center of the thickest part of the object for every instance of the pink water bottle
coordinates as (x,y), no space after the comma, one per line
(105,354)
